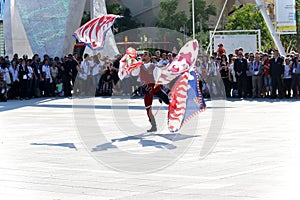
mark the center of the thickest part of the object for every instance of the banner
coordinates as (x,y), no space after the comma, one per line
(230,42)
(285,17)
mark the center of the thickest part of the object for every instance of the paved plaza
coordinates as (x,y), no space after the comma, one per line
(46,153)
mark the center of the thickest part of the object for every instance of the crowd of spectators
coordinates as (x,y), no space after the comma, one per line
(25,78)
(254,74)
(245,75)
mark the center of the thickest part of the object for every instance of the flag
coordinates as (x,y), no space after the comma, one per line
(195,102)
(177,106)
(182,62)
(186,100)
(93,32)
(128,63)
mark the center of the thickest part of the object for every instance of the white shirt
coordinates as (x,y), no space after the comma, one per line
(30,72)
(4,71)
(97,67)
(14,73)
(85,69)
(46,70)
(287,72)
(231,67)
(162,62)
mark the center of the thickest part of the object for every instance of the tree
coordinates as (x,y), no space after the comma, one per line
(85,18)
(170,19)
(248,18)
(126,22)
(202,14)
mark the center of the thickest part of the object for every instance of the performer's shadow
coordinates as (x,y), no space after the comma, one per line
(146,140)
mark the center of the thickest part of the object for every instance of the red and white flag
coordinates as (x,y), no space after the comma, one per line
(93,32)
(180,64)
(128,63)
(177,106)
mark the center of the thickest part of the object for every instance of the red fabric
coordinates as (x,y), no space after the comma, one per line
(221,51)
(266,71)
(146,75)
(148,98)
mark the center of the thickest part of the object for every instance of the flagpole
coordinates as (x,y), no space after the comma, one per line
(213,33)
(193,17)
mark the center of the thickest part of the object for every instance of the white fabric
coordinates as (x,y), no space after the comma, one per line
(96,67)
(287,72)
(46,70)
(231,67)
(14,73)
(30,72)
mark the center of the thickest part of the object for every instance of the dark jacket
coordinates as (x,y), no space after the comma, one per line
(23,73)
(240,66)
(276,68)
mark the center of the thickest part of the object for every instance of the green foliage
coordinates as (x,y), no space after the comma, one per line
(292,42)
(85,18)
(170,19)
(126,22)
(248,18)
(178,20)
(202,14)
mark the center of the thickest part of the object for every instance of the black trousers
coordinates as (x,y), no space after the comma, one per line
(242,86)
(276,84)
(227,86)
(23,88)
(287,87)
(249,87)
(163,96)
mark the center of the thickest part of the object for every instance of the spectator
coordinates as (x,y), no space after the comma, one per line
(59,91)
(23,77)
(240,68)
(250,58)
(221,50)
(96,65)
(224,71)
(72,62)
(257,72)
(296,76)
(37,75)
(163,61)
(30,93)
(54,76)
(158,56)
(4,80)
(287,78)
(83,74)
(107,80)
(47,77)
(233,78)
(14,93)
(266,75)
(67,75)
(276,73)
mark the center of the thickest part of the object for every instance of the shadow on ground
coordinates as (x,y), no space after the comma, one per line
(145,141)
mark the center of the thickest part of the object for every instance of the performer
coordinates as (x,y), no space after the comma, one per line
(149,87)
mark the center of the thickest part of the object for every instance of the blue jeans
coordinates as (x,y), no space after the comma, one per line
(267,81)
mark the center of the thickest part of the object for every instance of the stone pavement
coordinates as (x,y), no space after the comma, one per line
(42,155)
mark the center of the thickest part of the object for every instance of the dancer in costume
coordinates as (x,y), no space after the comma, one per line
(149,87)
